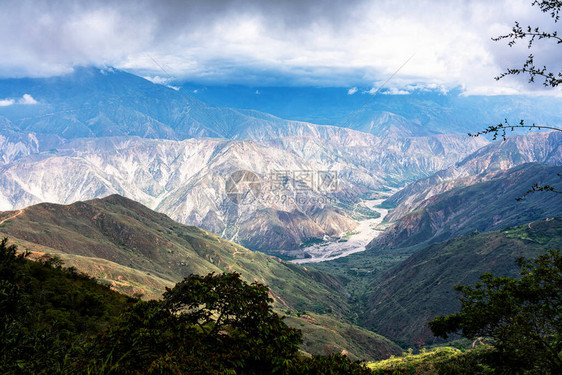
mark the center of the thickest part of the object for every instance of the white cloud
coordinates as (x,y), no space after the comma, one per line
(26,99)
(162,81)
(106,71)
(373,90)
(395,91)
(348,43)
(352,91)
(389,91)
(7,102)
(158,80)
(427,87)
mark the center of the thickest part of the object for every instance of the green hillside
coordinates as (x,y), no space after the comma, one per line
(56,320)
(137,250)
(402,300)
(132,237)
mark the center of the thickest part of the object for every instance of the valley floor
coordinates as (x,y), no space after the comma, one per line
(354,243)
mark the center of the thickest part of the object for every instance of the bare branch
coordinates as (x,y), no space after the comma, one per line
(532,34)
(500,129)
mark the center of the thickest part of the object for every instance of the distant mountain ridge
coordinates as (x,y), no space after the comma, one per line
(429,109)
(105,102)
(187,179)
(93,102)
(481,207)
(482,165)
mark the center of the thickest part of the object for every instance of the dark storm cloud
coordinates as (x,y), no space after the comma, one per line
(40,37)
(176,14)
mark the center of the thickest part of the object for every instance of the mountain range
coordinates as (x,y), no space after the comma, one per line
(141,184)
(480,207)
(421,110)
(480,166)
(99,132)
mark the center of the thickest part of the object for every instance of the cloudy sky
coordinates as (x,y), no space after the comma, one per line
(281,42)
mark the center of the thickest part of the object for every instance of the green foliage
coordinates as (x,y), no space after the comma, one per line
(522,316)
(440,360)
(45,310)
(206,325)
(334,364)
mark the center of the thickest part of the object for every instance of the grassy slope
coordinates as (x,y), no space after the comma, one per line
(138,250)
(441,360)
(324,334)
(401,301)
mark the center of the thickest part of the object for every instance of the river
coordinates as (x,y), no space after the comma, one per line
(356,242)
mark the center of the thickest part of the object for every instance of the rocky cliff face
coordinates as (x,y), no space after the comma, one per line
(15,145)
(481,207)
(482,165)
(187,179)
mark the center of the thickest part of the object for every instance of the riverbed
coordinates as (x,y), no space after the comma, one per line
(356,242)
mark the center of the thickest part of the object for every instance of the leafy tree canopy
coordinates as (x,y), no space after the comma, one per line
(522,317)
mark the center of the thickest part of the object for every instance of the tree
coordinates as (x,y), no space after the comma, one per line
(205,324)
(45,310)
(233,314)
(522,317)
(532,34)
(552,78)
(11,280)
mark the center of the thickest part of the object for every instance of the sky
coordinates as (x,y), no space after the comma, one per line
(351,43)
